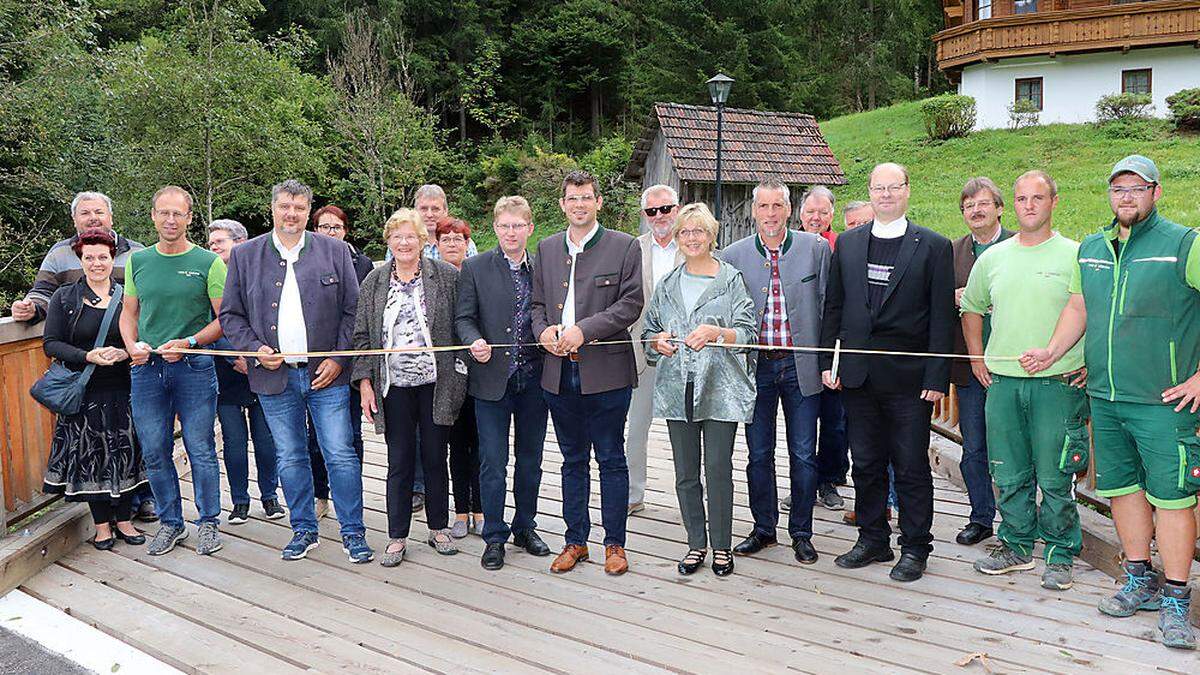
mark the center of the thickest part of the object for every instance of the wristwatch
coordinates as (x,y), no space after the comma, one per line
(721,338)
(192,343)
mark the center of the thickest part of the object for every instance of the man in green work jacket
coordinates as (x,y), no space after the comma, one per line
(1136,293)
(1036,425)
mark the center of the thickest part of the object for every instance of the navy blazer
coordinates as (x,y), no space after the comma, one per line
(917,313)
(328,291)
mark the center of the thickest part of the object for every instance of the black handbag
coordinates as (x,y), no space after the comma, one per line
(61,389)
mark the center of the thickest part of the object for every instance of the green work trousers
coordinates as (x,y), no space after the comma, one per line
(1033,425)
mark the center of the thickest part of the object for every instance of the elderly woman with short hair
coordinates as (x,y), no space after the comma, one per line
(409,304)
(703,391)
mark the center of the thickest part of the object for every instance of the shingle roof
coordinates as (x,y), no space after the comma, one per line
(755,144)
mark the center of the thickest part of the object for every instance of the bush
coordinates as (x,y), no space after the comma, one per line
(948,116)
(1123,107)
(1022,114)
(1135,129)
(1185,109)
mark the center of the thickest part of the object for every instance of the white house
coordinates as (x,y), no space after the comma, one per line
(1063,55)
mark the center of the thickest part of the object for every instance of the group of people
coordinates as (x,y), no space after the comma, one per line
(453,349)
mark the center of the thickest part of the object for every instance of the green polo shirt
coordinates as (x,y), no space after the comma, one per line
(174,291)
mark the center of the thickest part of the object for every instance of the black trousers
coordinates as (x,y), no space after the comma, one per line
(464,460)
(406,411)
(887,426)
(112,510)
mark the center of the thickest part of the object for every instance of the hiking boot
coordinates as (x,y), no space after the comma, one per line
(1140,592)
(272,510)
(355,546)
(239,515)
(1173,623)
(166,538)
(1002,560)
(828,496)
(1057,577)
(208,540)
(300,545)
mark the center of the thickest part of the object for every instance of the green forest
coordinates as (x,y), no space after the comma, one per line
(366,101)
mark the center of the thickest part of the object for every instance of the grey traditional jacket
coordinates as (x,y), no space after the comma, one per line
(439,280)
(646,241)
(723,377)
(803,269)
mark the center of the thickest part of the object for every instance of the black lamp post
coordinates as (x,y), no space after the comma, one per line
(718,89)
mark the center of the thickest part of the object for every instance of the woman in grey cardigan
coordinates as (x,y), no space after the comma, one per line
(703,391)
(409,303)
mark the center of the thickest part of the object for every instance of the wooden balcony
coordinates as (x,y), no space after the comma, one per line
(1052,32)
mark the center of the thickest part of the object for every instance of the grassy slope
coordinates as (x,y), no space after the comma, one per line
(1077,156)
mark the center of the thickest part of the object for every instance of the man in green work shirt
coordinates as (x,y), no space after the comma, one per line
(172,294)
(1035,425)
(1135,291)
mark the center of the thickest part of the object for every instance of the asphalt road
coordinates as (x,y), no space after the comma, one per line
(21,656)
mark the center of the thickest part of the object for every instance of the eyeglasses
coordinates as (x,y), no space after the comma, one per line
(404,238)
(885,189)
(1133,191)
(452,239)
(655,210)
(329,228)
(579,199)
(511,227)
(970,206)
(175,215)
(692,234)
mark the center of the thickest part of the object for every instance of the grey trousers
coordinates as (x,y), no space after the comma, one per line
(717,438)
(641,411)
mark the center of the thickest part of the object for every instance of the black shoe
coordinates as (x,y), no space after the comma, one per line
(239,515)
(973,533)
(862,555)
(722,564)
(692,561)
(147,512)
(493,556)
(272,510)
(531,542)
(104,544)
(133,540)
(754,543)
(910,568)
(804,551)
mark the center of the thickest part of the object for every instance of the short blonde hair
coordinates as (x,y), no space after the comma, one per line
(515,205)
(404,217)
(697,213)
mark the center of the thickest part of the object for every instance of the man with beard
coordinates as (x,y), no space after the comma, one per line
(660,255)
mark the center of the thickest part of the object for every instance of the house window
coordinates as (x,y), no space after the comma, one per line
(1025,6)
(1135,81)
(983,9)
(1030,89)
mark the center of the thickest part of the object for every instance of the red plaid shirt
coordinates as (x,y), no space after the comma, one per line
(775,330)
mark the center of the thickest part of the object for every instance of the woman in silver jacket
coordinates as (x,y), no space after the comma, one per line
(703,389)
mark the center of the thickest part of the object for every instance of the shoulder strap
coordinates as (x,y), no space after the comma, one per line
(109,313)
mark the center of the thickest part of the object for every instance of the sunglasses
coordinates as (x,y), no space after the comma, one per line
(655,210)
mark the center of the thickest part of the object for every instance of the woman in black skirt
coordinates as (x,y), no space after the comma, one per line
(95,456)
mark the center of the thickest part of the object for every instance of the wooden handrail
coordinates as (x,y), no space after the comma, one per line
(26,428)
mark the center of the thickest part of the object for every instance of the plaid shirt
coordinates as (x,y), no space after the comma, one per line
(775,330)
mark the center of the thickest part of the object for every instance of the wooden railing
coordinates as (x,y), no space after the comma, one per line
(1121,26)
(26,427)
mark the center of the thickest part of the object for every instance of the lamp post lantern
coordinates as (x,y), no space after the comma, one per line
(718,90)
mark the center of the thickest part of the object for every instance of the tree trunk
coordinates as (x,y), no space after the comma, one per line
(462,121)
(595,110)
(871,74)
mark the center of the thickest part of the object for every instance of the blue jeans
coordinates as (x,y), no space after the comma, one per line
(188,388)
(596,421)
(237,452)
(776,381)
(320,474)
(974,465)
(525,407)
(330,411)
(833,447)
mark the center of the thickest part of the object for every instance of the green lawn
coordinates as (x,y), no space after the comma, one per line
(1079,158)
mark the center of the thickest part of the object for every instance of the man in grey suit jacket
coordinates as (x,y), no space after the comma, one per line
(660,255)
(292,291)
(785,272)
(587,287)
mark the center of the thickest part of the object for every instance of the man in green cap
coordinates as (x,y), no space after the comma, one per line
(1135,291)
(1036,425)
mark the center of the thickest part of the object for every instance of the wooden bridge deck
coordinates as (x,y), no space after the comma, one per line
(244,609)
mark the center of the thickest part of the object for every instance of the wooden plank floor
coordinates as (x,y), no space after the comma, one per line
(245,608)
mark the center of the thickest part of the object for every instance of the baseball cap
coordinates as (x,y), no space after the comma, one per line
(1137,164)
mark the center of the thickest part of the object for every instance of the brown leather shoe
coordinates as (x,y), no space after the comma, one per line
(571,555)
(614,560)
(849,518)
